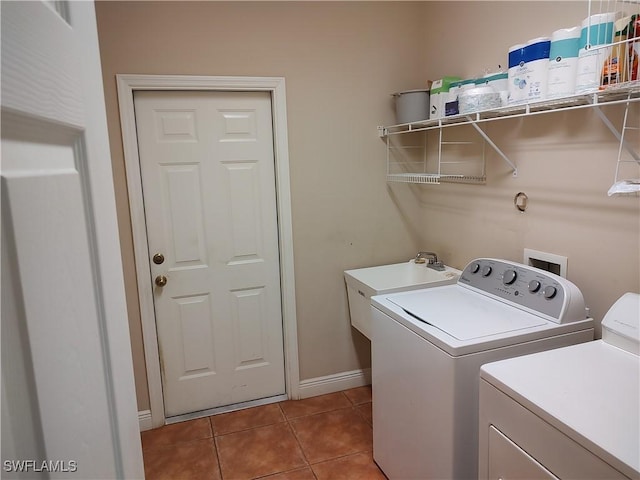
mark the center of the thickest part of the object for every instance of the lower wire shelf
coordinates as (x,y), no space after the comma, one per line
(415,159)
(435,179)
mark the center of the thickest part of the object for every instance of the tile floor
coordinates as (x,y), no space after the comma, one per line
(325,437)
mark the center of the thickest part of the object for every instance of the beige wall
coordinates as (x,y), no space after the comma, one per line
(341,61)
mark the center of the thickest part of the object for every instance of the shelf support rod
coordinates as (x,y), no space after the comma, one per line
(495,147)
(616,133)
(440,151)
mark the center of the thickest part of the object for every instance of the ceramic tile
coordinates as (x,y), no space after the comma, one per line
(184,461)
(333,431)
(365,411)
(313,405)
(359,395)
(258,452)
(333,434)
(353,467)
(245,419)
(303,474)
(177,433)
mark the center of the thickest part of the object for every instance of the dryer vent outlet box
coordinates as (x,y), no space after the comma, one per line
(546,261)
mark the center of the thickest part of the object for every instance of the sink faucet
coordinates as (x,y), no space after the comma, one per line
(431,258)
(422,255)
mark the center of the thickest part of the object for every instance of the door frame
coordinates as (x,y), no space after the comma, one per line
(126,85)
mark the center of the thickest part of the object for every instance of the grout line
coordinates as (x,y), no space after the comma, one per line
(269,475)
(320,413)
(342,456)
(295,436)
(215,447)
(353,408)
(219,460)
(166,445)
(213,434)
(246,429)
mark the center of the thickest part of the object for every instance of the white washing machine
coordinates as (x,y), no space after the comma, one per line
(427,349)
(573,412)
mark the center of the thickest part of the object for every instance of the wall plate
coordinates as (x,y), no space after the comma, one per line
(546,261)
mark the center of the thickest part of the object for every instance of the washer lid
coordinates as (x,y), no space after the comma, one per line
(463,314)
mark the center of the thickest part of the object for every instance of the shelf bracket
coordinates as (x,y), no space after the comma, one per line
(496,148)
(617,134)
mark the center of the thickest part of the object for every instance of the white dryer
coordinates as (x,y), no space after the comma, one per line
(427,349)
(573,412)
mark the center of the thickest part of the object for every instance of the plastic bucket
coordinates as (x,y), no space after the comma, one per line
(412,106)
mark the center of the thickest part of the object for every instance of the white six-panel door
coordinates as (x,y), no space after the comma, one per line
(68,398)
(207,167)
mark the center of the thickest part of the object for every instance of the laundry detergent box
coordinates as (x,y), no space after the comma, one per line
(439,96)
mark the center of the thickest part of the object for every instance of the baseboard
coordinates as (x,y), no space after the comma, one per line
(144,418)
(334,383)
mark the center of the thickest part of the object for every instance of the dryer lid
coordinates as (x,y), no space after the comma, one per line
(621,324)
(463,314)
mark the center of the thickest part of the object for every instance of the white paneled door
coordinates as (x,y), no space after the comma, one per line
(68,397)
(208,180)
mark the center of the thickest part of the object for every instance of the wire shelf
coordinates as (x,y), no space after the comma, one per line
(619,85)
(435,179)
(612,95)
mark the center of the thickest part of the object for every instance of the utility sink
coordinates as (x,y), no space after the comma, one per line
(363,283)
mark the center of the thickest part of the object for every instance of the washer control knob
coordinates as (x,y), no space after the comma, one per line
(549,292)
(509,277)
(486,271)
(534,286)
(475,267)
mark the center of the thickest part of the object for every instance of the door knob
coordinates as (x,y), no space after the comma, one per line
(161,280)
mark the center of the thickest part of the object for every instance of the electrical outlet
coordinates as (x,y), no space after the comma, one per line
(546,261)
